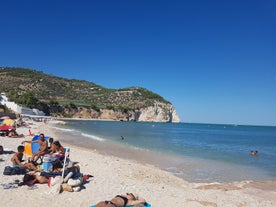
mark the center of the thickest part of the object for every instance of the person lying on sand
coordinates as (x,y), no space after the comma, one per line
(34,177)
(122,200)
(2,151)
(13,134)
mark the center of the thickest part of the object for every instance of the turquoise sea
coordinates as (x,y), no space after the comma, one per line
(194,152)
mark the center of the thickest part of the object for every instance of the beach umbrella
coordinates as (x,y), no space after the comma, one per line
(66,153)
(9,122)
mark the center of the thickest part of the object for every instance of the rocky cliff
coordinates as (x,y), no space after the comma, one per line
(159,113)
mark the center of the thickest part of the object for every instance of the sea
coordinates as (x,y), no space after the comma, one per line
(194,152)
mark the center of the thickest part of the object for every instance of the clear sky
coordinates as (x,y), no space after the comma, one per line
(214,60)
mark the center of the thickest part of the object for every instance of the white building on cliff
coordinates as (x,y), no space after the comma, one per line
(4,100)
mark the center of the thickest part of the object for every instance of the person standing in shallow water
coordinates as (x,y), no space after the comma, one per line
(254,153)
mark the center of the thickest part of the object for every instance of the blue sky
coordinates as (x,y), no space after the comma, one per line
(214,60)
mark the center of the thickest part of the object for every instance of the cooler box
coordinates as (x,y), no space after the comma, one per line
(47,164)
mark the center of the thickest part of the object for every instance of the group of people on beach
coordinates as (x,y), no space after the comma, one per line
(9,128)
(34,169)
(60,178)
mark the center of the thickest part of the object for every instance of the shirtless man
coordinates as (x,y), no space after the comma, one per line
(43,149)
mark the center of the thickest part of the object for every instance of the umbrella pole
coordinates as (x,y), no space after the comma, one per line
(63,169)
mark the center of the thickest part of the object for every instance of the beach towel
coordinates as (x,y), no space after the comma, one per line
(28,149)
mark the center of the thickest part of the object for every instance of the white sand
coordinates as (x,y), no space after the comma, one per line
(114,176)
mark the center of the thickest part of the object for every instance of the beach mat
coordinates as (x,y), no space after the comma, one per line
(145,205)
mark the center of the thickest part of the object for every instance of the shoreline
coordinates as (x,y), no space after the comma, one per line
(190,168)
(114,175)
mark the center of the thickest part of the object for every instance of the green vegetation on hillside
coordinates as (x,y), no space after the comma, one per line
(34,88)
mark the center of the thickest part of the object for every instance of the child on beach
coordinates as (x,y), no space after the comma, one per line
(17,158)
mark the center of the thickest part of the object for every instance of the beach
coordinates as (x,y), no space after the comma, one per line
(114,175)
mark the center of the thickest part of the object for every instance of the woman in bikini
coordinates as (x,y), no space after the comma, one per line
(122,201)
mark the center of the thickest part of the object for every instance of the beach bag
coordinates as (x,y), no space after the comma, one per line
(8,170)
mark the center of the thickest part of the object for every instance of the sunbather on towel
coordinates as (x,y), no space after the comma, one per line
(34,177)
(2,151)
(122,200)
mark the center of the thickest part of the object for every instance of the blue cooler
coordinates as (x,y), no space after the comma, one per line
(47,164)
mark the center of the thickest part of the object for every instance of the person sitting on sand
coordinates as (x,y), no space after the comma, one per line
(57,148)
(43,149)
(51,140)
(17,158)
(56,151)
(122,200)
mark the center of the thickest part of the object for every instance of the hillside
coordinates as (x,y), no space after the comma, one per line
(69,96)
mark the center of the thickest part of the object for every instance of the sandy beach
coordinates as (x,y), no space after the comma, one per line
(113,175)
